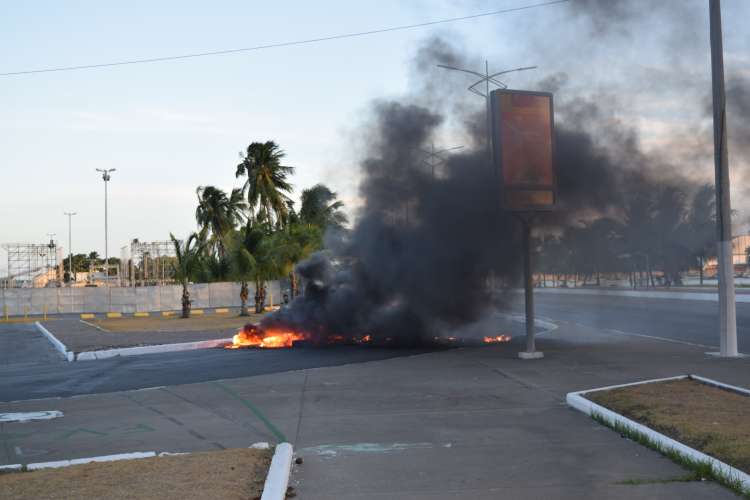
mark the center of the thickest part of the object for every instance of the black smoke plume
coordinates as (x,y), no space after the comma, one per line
(425,248)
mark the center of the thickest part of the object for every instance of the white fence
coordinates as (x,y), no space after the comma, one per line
(21,301)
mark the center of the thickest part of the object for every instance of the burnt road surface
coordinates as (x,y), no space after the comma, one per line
(694,321)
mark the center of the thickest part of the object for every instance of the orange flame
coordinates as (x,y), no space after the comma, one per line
(496,339)
(251,336)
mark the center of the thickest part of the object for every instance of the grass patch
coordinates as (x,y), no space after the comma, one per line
(704,417)
(227,474)
(208,322)
(686,478)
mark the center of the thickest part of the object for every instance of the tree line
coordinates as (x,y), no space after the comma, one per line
(660,229)
(254,233)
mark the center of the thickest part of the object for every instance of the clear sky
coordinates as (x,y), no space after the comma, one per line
(169,127)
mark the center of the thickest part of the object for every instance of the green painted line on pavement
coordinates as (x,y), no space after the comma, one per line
(68,434)
(276,432)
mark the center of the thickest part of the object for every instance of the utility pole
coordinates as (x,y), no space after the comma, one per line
(106,177)
(727,306)
(70,249)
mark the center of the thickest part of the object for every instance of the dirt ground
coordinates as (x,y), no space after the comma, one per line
(158,323)
(712,420)
(228,474)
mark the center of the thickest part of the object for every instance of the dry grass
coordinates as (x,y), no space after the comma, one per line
(229,474)
(712,420)
(208,322)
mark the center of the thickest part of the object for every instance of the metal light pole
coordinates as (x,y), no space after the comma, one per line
(486,78)
(727,311)
(70,248)
(106,177)
(435,158)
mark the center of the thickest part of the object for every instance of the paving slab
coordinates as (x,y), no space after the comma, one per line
(461,423)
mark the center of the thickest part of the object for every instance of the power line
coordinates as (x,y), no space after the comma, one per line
(285,44)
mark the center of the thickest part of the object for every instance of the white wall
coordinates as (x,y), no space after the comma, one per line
(20,301)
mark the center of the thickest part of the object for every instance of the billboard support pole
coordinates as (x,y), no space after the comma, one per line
(727,307)
(528,285)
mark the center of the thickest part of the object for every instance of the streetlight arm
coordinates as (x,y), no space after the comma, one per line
(524,68)
(480,75)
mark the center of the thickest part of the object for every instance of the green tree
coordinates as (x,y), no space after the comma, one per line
(293,244)
(186,264)
(266,183)
(217,215)
(699,229)
(256,259)
(321,208)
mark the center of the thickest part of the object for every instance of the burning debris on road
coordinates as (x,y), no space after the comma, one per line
(254,336)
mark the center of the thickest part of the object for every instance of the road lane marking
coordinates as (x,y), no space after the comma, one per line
(30,415)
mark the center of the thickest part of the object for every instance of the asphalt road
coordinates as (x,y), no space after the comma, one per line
(31,369)
(691,321)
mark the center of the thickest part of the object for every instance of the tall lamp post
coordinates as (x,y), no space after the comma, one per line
(727,306)
(486,78)
(435,157)
(106,177)
(70,249)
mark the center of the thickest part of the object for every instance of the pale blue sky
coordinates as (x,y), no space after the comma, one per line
(169,127)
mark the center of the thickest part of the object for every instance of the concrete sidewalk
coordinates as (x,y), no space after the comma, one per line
(466,423)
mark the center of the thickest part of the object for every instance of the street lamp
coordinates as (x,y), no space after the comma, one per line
(486,78)
(435,158)
(106,177)
(70,249)
(727,305)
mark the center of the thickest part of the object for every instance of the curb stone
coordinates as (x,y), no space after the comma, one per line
(584,405)
(277,479)
(128,351)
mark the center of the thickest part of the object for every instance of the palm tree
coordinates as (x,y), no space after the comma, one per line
(257,259)
(266,185)
(218,214)
(321,208)
(297,242)
(185,265)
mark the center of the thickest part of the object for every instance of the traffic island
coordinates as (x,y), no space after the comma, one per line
(80,340)
(226,474)
(697,422)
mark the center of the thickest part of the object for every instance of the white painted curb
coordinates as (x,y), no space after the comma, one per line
(150,349)
(128,351)
(277,479)
(580,403)
(78,461)
(643,294)
(542,323)
(54,341)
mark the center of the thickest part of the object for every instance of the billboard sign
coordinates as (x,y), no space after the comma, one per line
(523,148)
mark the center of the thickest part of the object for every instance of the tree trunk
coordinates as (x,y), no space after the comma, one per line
(701,269)
(244,294)
(185,301)
(260,297)
(598,279)
(293,283)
